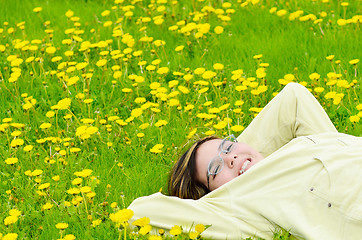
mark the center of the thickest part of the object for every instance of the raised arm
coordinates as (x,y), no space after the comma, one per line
(294,112)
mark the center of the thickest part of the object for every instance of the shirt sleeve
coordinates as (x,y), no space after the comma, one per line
(165,212)
(294,112)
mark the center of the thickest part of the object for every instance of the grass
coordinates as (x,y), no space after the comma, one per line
(124,164)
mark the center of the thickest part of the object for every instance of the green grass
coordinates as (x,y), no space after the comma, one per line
(127,169)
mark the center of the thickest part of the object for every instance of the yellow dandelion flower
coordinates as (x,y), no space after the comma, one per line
(341,22)
(194,235)
(141,222)
(88,100)
(281,12)
(199,71)
(45,125)
(121,216)
(200,228)
(145,229)
(258,56)
(37,9)
(73,191)
(176,230)
(61,226)
(85,189)
(191,133)
(354,119)
(136,112)
(96,223)
(241,88)
(47,206)
(50,114)
(218,30)
(44,186)
(56,178)
(140,135)
(354,61)
(203,90)
(64,103)
(218,66)
(314,76)
(344,4)
(37,172)
(160,123)
(50,50)
(319,89)
(163,70)
(10,220)
(14,212)
(117,74)
(237,128)
(179,48)
(10,236)
(173,102)
(260,73)
(330,57)
(11,161)
(69,237)
(101,62)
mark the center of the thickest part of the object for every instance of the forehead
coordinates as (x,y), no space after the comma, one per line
(209,146)
(207,151)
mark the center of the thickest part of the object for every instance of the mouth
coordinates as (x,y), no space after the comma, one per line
(245,165)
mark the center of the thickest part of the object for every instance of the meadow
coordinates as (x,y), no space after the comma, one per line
(98,98)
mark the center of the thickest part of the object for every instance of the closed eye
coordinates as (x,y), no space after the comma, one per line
(228,149)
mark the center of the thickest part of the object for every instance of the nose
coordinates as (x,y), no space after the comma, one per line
(229,160)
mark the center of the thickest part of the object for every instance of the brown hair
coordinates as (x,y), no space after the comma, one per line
(182,181)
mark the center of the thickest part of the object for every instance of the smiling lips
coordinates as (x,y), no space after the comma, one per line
(245,165)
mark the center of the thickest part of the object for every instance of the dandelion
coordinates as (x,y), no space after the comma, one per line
(314,76)
(73,191)
(37,9)
(179,48)
(121,216)
(101,63)
(10,220)
(281,12)
(237,128)
(69,237)
(157,148)
(218,66)
(354,119)
(218,30)
(77,181)
(176,230)
(44,186)
(56,178)
(47,206)
(11,161)
(194,235)
(319,89)
(163,70)
(160,123)
(141,222)
(354,61)
(45,125)
(145,229)
(61,226)
(10,236)
(64,103)
(154,237)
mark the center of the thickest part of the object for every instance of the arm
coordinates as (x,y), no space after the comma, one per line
(294,112)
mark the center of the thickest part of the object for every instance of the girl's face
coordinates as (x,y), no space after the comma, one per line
(240,158)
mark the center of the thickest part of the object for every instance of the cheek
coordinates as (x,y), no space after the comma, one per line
(223,177)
